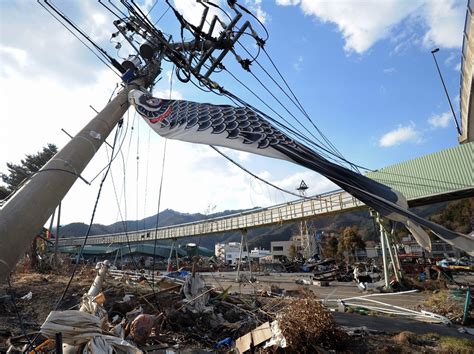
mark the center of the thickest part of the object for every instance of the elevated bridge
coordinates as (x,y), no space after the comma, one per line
(442,176)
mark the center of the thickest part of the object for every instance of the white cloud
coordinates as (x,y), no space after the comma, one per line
(298,64)
(389,71)
(192,12)
(243,156)
(440,121)
(50,50)
(255,6)
(450,58)
(445,21)
(12,55)
(363,23)
(457,99)
(165,93)
(400,135)
(452,61)
(287,2)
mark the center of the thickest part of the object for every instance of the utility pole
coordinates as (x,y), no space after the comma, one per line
(446,91)
(27,211)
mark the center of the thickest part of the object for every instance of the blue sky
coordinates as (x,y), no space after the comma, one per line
(362,69)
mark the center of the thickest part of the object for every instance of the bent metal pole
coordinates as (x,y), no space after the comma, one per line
(26,212)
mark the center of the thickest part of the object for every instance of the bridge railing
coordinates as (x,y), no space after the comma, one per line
(332,202)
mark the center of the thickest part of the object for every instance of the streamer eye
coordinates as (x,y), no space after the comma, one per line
(153,102)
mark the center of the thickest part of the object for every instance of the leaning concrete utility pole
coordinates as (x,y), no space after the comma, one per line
(26,212)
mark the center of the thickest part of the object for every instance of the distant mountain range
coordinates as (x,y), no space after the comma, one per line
(258,237)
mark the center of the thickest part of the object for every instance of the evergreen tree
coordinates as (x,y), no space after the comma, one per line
(17,173)
(330,247)
(457,216)
(350,242)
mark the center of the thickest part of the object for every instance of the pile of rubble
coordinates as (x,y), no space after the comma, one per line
(136,312)
(129,313)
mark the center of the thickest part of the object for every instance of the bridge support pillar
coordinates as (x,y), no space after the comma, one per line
(384,254)
(243,238)
(169,268)
(387,245)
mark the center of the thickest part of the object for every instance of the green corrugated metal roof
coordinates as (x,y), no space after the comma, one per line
(438,173)
(144,248)
(161,250)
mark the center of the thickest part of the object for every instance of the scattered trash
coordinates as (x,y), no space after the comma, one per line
(196,293)
(466,330)
(320,283)
(128,298)
(141,327)
(76,327)
(182,273)
(261,334)
(277,339)
(28,296)
(225,343)
(254,338)
(360,331)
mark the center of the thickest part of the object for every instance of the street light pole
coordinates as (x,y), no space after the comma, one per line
(445,90)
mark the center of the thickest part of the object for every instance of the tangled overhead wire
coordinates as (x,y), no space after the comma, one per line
(217,34)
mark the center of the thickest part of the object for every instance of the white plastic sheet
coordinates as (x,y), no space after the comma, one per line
(194,290)
(277,340)
(110,345)
(79,327)
(76,327)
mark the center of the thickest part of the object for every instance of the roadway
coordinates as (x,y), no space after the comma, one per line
(342,290)
(287,281)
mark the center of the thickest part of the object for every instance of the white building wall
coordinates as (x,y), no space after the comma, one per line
(280,248)
(232,257)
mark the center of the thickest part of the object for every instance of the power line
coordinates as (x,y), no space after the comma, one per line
(290,131)
(158,213)
(252,174)
(83,34)
(159,195)
(90,225)
(77,37)
(17,313)
(300,105)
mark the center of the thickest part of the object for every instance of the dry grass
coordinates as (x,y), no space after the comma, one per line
(456,345)
(443,304)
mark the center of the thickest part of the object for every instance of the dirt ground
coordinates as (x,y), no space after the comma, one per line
(46,290)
